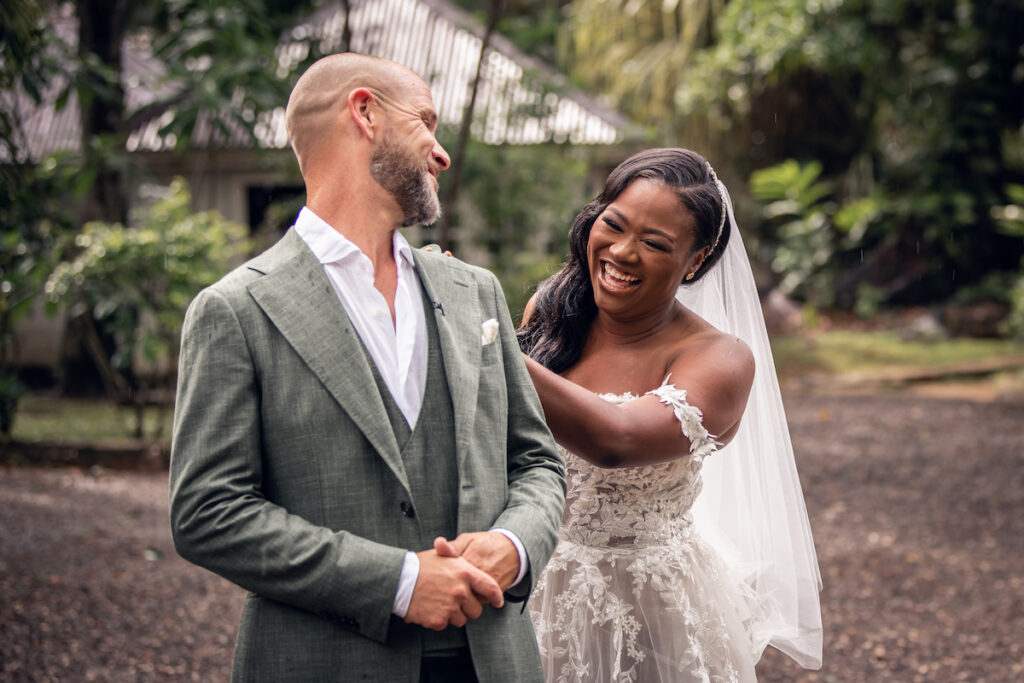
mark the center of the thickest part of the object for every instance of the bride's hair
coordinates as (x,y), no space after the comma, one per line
(564,303)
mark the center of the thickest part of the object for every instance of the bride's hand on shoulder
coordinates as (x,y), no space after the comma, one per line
(644,431)
(717,380)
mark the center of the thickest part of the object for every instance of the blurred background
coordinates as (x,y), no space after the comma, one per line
(874,150)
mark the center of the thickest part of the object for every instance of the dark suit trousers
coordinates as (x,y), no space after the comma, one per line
(457,668)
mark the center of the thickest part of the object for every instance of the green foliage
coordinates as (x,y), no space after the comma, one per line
(219,65)
(927,94)
(636,53)
(221,61)
(1010,217)
(136,282)
(1015,321)
(518,205)
(30,56)
(913,109)
(11,391)
(533,26)
(519,279)
(807,235)
(759,43)
(34,221)
(804,239)
(35,229)
(32,217)
(34,234)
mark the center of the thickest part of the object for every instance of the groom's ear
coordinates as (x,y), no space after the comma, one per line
(364,108)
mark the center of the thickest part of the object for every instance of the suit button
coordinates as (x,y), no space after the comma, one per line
(407,509)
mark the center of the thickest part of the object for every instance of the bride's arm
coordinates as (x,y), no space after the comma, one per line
(645,430)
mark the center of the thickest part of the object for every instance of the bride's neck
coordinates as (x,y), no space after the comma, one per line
(631,330)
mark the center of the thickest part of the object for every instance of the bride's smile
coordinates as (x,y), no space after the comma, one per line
(639,251)
(617,279)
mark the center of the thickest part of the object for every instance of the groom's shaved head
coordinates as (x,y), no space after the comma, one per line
(321,93)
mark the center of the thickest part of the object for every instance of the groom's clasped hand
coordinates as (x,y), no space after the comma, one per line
(457,578)
(450,590)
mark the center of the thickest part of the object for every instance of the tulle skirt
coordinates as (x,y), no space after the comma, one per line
(649,614)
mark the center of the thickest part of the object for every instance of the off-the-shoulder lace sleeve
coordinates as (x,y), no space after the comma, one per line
(690,419)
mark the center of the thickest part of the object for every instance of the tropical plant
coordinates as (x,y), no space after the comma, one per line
(35,221)
(133,284)
(807,234)
(518,205)
(637,54)
(797,201)
(918,98)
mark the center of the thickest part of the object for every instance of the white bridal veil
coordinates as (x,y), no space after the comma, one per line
(752,507)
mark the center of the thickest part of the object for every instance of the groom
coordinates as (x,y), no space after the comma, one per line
(344,400)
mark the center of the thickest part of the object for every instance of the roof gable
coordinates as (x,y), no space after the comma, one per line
(520,100)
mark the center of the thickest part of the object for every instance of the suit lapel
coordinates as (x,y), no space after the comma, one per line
(299,300)
(457,314)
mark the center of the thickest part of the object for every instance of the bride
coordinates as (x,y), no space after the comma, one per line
(649,354)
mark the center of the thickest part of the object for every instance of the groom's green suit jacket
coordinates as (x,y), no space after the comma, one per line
(286,476)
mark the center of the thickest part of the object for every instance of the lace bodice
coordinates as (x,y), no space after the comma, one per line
(637,506)
(632,594)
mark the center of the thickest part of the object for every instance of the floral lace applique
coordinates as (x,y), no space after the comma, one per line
(632,594)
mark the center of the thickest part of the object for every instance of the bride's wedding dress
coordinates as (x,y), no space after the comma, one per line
(632,592)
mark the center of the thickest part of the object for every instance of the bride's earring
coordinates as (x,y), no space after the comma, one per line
(689,277)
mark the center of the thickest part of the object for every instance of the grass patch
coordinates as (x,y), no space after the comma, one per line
(844,352)
(43,418)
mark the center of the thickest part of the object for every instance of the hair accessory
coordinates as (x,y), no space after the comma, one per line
(721,195)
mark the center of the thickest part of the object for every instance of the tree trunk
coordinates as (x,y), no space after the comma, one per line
(346,30)
(494,11)
(114,384)
(101,31)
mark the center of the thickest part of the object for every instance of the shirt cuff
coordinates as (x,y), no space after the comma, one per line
(524,562)
(406,584)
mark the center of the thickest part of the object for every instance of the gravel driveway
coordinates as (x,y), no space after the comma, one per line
(917,506)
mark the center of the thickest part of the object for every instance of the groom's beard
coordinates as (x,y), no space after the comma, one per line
(405,179)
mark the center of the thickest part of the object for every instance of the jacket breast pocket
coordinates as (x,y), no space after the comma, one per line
(490,354)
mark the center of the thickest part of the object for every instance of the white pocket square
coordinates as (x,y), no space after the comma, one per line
(488,331)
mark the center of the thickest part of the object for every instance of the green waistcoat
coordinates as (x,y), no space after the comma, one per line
(428,453)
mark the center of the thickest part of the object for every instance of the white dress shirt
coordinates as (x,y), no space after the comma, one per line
(398,348)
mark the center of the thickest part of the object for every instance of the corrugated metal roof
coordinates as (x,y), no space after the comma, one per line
(520,101)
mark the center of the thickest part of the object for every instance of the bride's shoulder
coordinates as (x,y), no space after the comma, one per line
(693,333)
(706,346)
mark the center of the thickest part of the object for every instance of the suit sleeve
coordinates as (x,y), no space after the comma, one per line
(536,473)
(220,519)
